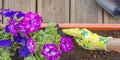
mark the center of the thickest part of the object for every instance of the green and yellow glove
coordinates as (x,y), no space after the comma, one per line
(87,39)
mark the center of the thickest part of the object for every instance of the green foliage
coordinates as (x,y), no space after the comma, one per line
(12,49)
(4,55)
(9,51)
(4,35)
(49,35)
(41,37)
(31,57)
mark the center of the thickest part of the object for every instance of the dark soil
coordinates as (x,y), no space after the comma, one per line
(79,53)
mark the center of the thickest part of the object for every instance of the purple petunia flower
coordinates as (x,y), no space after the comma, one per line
(50,52)
(31,45)
(20,39)
(4,11)
(10,14)
(0,20)
(21,27)
(6,29)
(11,27)
(1,13)
(24,41)
(20,14)
(23,51)
(30,23)
(5,43)
(17,38)
(66,44)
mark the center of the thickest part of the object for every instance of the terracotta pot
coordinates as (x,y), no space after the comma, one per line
(88,26)
(84,25)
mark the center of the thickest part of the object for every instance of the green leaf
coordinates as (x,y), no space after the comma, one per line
(4,35)
(31,57)
(49,35)
(4,55)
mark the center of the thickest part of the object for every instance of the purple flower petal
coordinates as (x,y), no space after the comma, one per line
(4,11)
(10,14)
(1,13)
(50,52)
(5,43)
(30,23)
(0,20)
(20,39)
(17,38)
(20,14)
(31,45)
(6,29)
(22,28)
(23,51)
(12,27)
(66,44)
(24,41)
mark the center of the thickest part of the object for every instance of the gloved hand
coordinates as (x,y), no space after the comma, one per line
(87,39)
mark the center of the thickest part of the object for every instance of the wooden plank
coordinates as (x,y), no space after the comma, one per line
(22,5)
(108,19)
(100,15)
(54,10)
(86,11)
(0,8)
(33,5)
(39,7)
(67,10)
(72,17)
(0,4)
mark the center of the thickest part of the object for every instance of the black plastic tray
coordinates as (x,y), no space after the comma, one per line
(112,6)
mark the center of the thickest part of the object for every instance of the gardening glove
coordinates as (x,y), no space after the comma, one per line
(87,39)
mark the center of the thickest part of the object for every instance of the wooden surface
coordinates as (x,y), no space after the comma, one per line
(63,11)
(22,5)
(86,11)
(54,10)
(108,19)
(0,7)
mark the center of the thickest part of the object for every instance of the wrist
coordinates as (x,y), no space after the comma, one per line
(114,44)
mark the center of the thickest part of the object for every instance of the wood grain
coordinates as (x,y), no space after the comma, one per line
(54,10)
(110,19)
(100,15)
(72,16)
(39,7)
(22,5)
(85,11)
(67,9)
(0,8)
(63,11)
